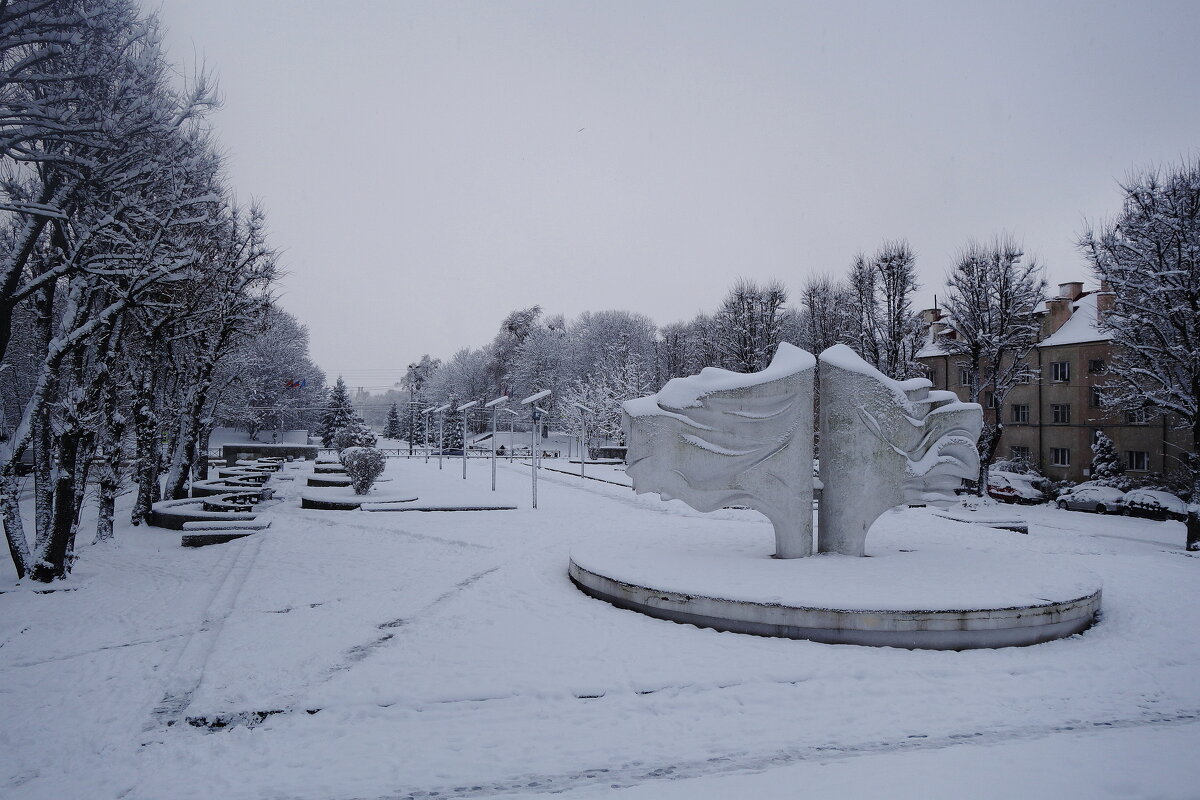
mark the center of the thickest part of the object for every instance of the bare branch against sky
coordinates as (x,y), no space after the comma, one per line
(428,167)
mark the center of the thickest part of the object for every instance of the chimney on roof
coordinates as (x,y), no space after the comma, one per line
(931,315)
(1106,300)
(1070,291)
(1058,311)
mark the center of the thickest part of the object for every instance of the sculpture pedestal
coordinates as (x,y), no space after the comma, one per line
(929,597)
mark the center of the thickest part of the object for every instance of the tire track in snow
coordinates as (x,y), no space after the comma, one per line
(295,513)
(93,651)
(634,773)
(360,652)
(185,673)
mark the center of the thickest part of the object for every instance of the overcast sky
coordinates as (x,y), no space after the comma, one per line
(428,167)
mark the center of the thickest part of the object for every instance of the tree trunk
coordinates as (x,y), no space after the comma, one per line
(145,431)
(200,469)
(14,527)
(52,559)
(1193,462)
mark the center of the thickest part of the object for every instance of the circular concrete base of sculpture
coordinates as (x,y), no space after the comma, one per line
(925,598)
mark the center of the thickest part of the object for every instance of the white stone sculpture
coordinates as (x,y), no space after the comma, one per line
(725,438)
(886,443)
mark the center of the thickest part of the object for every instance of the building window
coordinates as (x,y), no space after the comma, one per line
(1137,416)
(1095,397)
(1020,412)
(1137,460)
(1019,454)
(1096,366)
(1060,371)
(965,377)
(991,400)
(1060,456)
(1060,413)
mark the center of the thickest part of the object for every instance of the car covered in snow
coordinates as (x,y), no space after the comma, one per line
(1155,504)
(1013,487)
(1101,499)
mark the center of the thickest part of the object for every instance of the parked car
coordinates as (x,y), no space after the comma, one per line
(1101,499)
(1013,487)
(1155,504)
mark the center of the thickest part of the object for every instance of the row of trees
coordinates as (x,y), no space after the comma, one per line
(603,358)
(134,289)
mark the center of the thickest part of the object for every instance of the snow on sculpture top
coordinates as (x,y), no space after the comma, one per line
(886,443)
(726,438)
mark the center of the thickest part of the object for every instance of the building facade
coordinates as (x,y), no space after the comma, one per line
(1052,421)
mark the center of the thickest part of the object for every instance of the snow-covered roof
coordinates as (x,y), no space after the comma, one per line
(1081,327)
(932,347)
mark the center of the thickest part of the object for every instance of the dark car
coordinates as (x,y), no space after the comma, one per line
(1155,504)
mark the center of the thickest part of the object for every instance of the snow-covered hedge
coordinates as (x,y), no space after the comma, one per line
(354,435)
(363,465)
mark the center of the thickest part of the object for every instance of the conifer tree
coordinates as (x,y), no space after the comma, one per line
(452,432)
(338,415)
(1106,464)
(392,430)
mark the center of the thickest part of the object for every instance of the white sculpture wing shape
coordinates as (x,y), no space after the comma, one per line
(724,438)
(886,443)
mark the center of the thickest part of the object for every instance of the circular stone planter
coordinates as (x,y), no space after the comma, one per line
(328,481)
(348,501)
(939,599)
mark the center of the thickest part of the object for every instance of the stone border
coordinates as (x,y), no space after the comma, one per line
(916,629)
(1014,524)
(173,514)
(205,539)
(380,507)
(328,481)
(346,503)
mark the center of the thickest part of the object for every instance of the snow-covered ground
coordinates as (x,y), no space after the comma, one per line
(447,654)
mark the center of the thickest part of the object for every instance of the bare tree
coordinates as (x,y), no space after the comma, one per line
(1149,256)
(749,325)
(993,292)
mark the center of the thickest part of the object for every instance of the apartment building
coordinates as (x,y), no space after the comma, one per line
(1052,420)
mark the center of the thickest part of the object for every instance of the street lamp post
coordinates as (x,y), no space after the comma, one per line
(412,403)
(583,412)
(494,405)
(536,414)
(441,412)
(462,410)
(511,434)
(428,422)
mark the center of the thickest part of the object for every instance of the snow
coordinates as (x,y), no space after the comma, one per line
(445,652)
(1080,327)
(687,392)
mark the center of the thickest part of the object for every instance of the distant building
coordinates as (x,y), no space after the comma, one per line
(1052,421)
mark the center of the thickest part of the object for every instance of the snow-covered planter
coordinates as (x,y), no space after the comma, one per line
(363,465)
